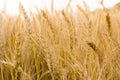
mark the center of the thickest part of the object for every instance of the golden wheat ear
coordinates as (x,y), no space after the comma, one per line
(97,51)
(92,45)
(26,18)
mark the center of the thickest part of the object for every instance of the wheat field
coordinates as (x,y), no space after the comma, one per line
(64,45)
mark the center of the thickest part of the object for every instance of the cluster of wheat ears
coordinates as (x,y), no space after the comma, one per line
(64,45)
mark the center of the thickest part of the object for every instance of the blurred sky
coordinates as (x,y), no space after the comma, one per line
(12,6)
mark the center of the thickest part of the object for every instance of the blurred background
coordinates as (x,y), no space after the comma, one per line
(12,6)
